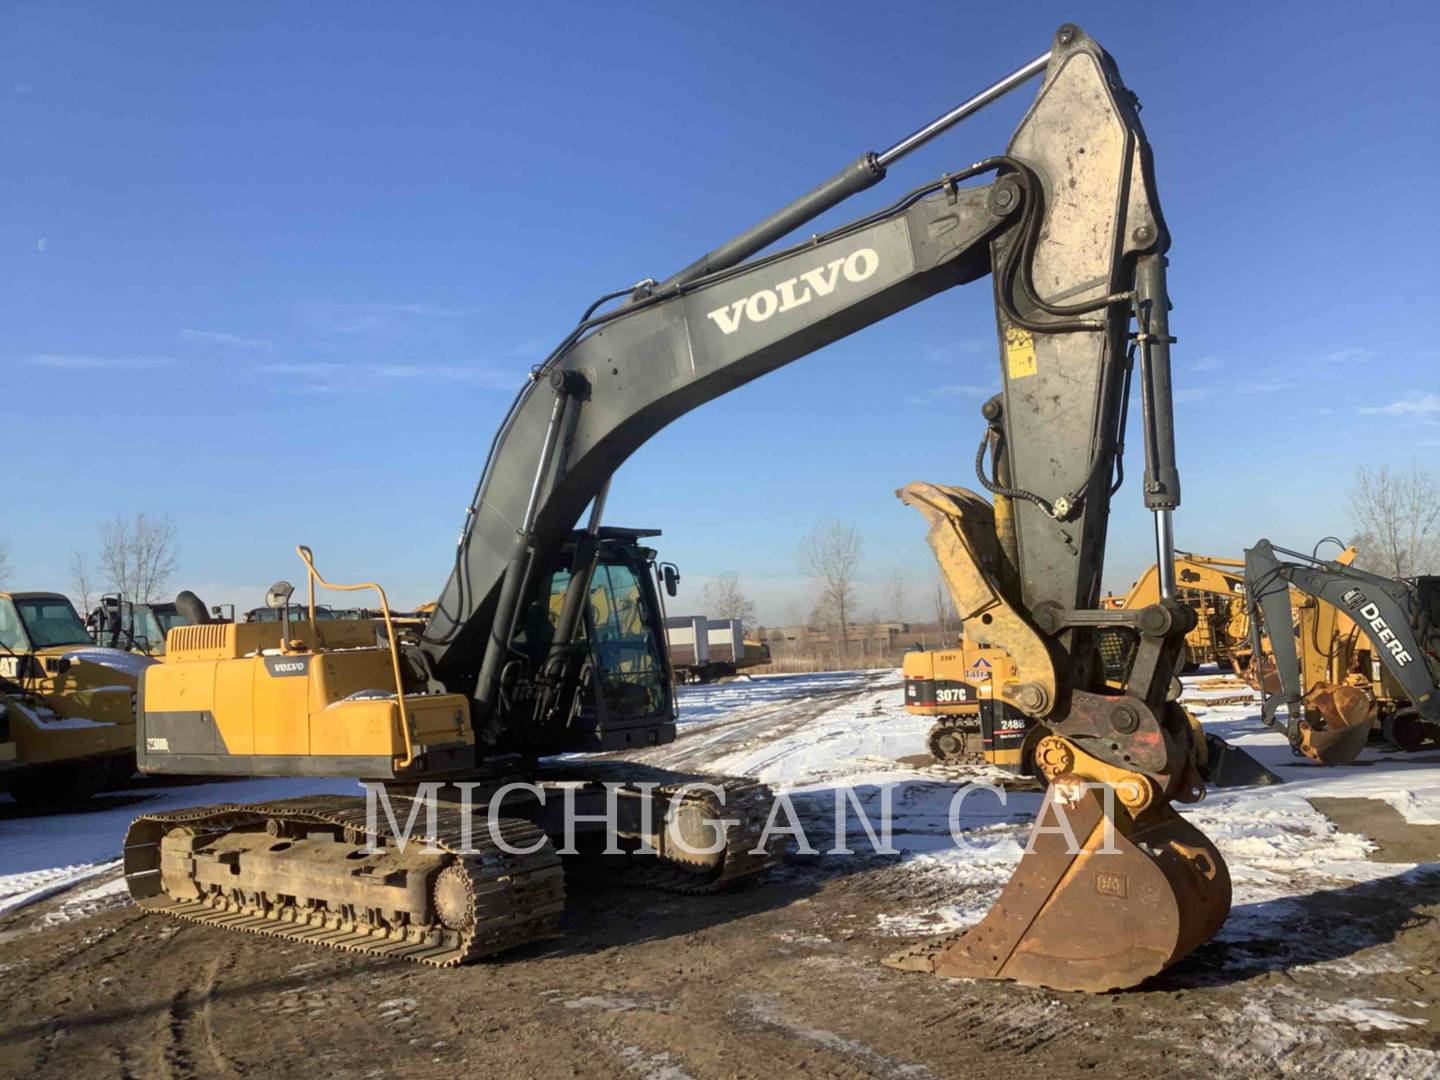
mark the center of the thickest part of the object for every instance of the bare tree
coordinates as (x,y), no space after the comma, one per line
(724,599)
(4,563)
(945,615)
(831,555)
(1398,518)
(81,581)
(138,556)
(897,595)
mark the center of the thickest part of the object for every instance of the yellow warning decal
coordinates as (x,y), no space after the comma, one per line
(1019,352)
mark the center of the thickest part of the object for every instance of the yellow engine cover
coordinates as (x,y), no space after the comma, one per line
(229,700)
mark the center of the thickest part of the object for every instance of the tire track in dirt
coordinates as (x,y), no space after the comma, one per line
(185,1037)
(729,735)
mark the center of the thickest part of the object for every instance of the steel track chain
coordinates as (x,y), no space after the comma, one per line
(967,738)
(746,809)
(517,898)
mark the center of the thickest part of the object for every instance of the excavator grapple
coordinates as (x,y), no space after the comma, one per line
(1114,885)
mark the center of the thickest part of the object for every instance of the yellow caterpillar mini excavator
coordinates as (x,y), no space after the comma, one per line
(547,638)
(972,725)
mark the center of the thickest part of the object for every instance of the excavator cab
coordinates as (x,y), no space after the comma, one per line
(617,657)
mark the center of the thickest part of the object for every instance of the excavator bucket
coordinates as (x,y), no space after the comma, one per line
(1222,765)
(1347,714)
(1090,915)
(1226,765)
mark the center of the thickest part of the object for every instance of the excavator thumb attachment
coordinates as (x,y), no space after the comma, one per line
(963,537)
(1347,714)
(1090,914)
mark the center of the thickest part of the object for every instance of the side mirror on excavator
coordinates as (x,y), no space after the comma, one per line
(278,597)
(670,574)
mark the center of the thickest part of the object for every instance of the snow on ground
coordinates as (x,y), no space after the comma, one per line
(1276,844)
(705,702)
(839,744)
(1282,853)
(846,756)
(846,759)
(41,855)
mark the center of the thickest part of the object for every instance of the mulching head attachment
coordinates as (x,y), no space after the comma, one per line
(1091,915)
(1345,715)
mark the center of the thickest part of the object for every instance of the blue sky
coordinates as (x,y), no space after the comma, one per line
(276,269)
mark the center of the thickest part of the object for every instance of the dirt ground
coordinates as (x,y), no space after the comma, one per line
(779,978)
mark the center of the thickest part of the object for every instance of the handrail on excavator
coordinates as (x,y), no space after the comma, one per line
(308,558)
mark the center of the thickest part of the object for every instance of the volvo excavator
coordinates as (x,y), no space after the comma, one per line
(1353,652)
(548,638)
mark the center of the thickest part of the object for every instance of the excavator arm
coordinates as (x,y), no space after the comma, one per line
(1385,610)
(1069,227)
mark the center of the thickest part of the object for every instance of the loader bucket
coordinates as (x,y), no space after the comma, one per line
(1076,917)
(1347,714)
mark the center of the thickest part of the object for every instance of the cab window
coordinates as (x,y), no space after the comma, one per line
(633,678)
(51,620)
(12,631)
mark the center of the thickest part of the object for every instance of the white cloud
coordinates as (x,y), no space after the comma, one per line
(381,318)
(1263,386)
(1205,363)
(42,244)
(1348,355)
(1193,393)
(480,375)
(533,348)
(1415,403)
(317,369)
(220,337)
(950,390)
(952,351)
(83,362)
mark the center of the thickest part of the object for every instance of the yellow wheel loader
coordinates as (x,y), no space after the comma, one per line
(67,706)
(547,638)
